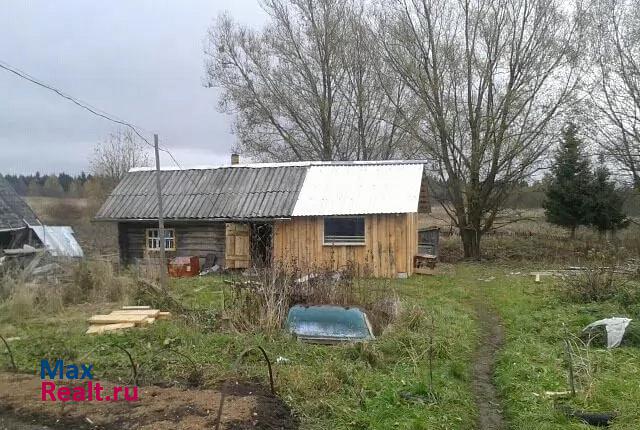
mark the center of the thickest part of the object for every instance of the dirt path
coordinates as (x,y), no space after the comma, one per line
(486,396)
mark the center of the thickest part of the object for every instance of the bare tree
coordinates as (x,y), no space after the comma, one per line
(309,86)
(616,95)
(490,78)
(121,151)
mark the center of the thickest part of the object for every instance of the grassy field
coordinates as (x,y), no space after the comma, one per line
(365,386)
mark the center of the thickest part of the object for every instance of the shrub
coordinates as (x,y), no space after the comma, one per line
(264,301)
(95,281)
(601,284)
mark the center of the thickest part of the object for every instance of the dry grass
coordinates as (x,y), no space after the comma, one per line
(531,238)
(90,281)
(263,302)
(55,210)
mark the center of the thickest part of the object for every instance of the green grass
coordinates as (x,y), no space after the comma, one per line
(359,386)
(533,359)
(337,387)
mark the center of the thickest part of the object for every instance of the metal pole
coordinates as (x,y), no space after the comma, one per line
(163,262)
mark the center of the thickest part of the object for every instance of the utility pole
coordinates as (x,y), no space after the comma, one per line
(163,261)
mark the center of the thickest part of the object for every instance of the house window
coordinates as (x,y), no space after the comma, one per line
(153,239)
(344,230)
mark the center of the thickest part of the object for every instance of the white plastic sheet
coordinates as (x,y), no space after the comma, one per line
(615,329)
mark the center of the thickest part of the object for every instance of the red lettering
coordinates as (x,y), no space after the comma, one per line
(64,394)
(116,391)
(98,389)
(78,394)
(132,398)
(49,388)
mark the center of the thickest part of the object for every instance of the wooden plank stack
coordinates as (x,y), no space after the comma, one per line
(127,317)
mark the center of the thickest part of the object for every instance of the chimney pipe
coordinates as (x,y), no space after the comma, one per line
(235,159)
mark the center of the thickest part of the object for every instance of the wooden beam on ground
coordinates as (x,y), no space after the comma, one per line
(97,329)
(129,308)
(148,312)
(118,318)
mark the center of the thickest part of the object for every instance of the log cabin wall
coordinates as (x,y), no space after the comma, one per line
(198,239)
(390,244)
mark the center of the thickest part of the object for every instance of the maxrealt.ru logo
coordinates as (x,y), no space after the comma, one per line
(90,391)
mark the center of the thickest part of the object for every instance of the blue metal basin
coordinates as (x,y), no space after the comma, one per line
(328,324)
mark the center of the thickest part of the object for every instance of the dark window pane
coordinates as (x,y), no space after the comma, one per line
(344,230)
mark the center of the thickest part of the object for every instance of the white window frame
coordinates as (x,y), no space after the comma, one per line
(338,241)
(152,240)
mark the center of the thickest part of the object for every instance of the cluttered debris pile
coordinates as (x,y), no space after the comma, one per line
(124,318)
(50,251)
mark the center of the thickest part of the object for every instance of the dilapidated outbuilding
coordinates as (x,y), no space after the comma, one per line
(311,214)
(21,232)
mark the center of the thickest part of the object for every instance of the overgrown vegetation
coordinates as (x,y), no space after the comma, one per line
(338,387)
(90,281)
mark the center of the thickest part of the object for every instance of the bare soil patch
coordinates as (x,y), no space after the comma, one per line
(247,406)
(486,396)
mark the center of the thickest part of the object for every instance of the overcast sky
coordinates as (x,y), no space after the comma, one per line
(139,60)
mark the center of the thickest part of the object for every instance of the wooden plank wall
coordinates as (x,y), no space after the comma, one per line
(191,239)
(390,244)
(237,248)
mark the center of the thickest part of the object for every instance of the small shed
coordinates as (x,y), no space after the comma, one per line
(15,217)
(19,226)
(311,214)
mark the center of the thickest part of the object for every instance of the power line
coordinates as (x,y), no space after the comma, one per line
(92,109)
(83,105)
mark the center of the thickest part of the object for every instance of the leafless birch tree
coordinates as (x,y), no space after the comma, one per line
(491,78)
(310,85)
(113,157)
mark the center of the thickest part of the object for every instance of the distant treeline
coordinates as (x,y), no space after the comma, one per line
(531,196)
(60,185)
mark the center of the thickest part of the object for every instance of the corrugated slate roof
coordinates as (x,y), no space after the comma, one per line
(270,190)
(221,193)
(13,210)
(360,189)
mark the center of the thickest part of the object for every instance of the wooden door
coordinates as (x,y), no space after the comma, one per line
(237,246)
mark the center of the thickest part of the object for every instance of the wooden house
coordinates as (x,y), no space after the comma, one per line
(311,214)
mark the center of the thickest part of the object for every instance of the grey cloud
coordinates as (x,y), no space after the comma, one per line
(139,60)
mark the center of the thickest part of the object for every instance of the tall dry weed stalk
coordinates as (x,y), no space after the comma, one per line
(263,302)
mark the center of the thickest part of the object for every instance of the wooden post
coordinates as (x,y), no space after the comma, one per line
(163,262)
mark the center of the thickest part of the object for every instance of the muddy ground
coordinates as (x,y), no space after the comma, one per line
(245,406)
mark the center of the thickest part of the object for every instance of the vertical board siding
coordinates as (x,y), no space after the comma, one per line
(390,243)
(238,247)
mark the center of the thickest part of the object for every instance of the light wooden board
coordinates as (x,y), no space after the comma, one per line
(148,312)
(118,318)
(97,329)
(163,315)
(126,308)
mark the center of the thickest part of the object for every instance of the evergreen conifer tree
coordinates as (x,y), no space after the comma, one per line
(605,211)
(567,198)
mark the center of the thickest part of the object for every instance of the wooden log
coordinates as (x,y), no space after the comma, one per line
(97,329)
(118,318)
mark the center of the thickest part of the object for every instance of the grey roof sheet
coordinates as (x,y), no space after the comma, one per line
(13,210)
(220,193)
